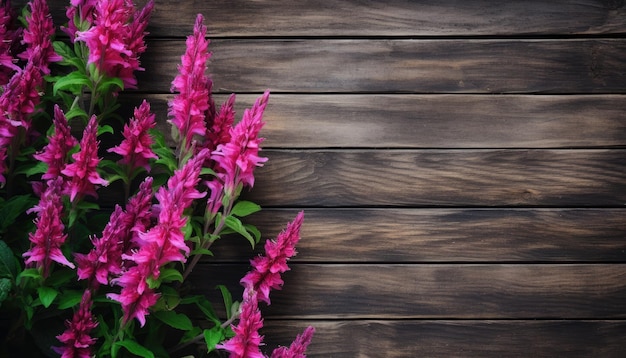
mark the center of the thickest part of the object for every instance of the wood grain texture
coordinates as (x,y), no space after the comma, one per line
(442,178)
(390,66)
(511,338)
(443,235)
(430,121)
(467,291)
(384,18)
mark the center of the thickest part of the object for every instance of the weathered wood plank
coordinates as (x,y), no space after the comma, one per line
(442,178)
(455,338)
(467,291)
(443,235)
(415,66)
(383,18)
(430,121)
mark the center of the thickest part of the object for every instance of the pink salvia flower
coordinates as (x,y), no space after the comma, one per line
(105,259)
(114,41)
(76,339)
(82,174)
(297,349)
(237,159)
(18,102)
(136,297)
(38,37)
(187,110)
(138,215)
(80,15)
(246,342)
(9,44)
(55,153)
(266,270)
(48,237)
(135,33)
(162,244)
(136,149)
(218,131)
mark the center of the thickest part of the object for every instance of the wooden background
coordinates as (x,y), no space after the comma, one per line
(461,164)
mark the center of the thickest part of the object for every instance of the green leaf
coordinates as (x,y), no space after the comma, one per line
(170,274)
(201,251)
(5,289)
(61,277)
(227,298)
(7,261)
(13,207)
(68,54)
(33,169)
(73,82)
(254,231)
(104,86)
(105,129)
(47,295)
(69,299)
(236,225)
(213,337)
(30,273)
(133,347)
(174,320)
(244,208)
(170,298)
(76,112)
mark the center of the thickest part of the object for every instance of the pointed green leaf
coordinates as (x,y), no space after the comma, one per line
(174,320)
(213,337)
(236,225)
(170,274)
(245,208)
(47,295)
(69,299)
(7,261)
(227,298)
(133,347)
(105,129)
(73,81)
(13,208)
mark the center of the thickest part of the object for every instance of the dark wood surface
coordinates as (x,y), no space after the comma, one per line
(461,165)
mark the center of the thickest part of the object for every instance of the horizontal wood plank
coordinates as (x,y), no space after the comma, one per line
(390,66)
(454,338)
(429,121)
(467,291)
(383,18)
(442,178)
(443,235)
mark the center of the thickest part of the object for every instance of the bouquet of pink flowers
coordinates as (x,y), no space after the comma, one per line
(114,273)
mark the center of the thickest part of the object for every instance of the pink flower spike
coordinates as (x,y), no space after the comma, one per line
(136,297)
(266,270)
(76,338)
(18,101)
(246,342)
(136,148)
(297,349)
(238,158)
(105,259)
(48,237)
(10,34)
(79,13)
(82,173)
(38,37)
(218,132)
(187,110)
(55,153)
